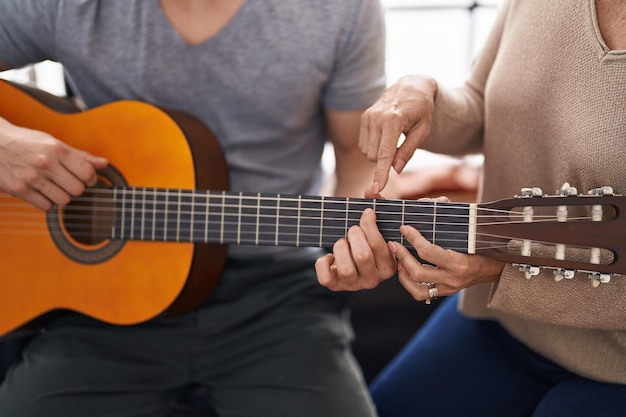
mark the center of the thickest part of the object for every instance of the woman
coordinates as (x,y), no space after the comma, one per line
(545,104)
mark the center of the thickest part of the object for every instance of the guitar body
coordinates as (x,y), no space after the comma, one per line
(120,283)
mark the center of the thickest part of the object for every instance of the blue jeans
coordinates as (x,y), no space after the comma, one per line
(460,367)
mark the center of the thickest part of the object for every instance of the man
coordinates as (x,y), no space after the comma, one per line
(273,80)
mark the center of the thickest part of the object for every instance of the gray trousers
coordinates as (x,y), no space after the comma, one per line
(271,343)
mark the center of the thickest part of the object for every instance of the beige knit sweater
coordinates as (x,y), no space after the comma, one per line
(546,103)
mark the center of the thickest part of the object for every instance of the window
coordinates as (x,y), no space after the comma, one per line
(440,38)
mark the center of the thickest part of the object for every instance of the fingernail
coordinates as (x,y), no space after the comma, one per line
(398,165)
(376,187)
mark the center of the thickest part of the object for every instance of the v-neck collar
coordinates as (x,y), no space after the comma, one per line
(603,52)
(227,27)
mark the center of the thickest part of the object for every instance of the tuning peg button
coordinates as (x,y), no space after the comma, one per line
(598,278)
(532,192)
(567,190)
(561,273)
(529,271)
(602,191)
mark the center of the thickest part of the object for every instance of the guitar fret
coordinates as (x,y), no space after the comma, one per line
(131,212)
(403,221)
(165,215)
(137,226)
(347,212)
(187,213)
(154,214)
(334,225)
(390,218)
(115,223)
(178,214)
(150,214)
(123,216)
(223,216)
(321,240)
(129,208)
(160,224)
(206,223)
(142,214)
(434,241)
(215,217)
(198,218)
(310,220)
(357,207)
(239,221)
(288,222)
(192,216)
(174,215)
(186,216)
(258,217)
(453,230)
(249,219)
(140,207)
(232,218)
(267,219)
(298,224)
(277,220)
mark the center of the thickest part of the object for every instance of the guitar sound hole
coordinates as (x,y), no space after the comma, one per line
(89,218)
(82,230)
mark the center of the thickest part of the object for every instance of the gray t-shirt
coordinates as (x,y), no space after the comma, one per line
(260,84)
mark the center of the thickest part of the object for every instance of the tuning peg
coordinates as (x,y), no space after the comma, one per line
(567,191)
(598,278)
(532,192)
(602,191)
(561,273)
(529,271)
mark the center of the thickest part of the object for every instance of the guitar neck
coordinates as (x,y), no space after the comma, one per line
(279,220)
(223,217)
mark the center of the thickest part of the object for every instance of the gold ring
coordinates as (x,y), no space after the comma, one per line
(433,292)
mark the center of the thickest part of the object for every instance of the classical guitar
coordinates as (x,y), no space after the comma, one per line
(150,238)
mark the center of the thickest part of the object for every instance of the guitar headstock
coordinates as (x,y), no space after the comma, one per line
(566,232)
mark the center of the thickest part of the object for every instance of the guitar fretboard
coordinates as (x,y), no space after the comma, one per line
(277,220)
